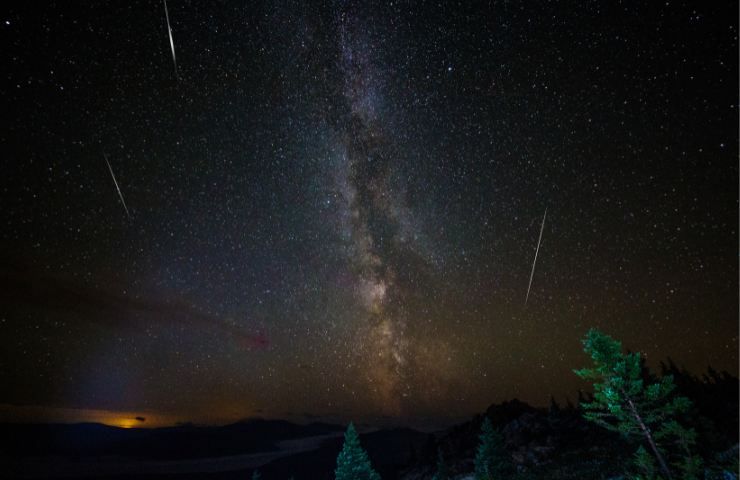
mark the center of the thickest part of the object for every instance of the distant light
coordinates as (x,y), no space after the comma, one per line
(125,423)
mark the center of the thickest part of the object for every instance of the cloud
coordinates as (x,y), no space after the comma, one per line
(23,290)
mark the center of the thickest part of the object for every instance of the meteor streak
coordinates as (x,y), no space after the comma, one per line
(169,30)
(534,263)
(120,195)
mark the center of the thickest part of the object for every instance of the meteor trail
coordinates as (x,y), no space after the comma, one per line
(169,30)
(120,195)
(534,263)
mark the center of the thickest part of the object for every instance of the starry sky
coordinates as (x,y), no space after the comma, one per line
(332,208)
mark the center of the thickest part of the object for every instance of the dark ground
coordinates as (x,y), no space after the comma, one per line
(552,442)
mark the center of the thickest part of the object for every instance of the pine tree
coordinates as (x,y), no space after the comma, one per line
(491,459)
(443,472)
(644,463)
(353,462)
(624,403)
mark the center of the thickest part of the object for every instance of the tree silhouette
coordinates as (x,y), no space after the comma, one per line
(625,402)
(443,472)
(491,459)
(353,462)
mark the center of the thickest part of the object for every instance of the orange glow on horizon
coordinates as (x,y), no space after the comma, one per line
(120,419)
(126,423)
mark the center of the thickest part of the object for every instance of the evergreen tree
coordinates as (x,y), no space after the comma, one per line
(644,463)
(625,402)
(353,462)
(491,459)
(443,472)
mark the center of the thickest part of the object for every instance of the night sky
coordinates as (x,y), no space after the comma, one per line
(333,208)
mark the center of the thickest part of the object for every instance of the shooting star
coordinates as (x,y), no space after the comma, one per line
(120,195)
(169,30)
(534,263)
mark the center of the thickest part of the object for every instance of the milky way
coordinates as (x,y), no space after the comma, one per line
(368,197)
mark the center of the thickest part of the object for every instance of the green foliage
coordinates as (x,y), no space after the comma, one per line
(644,463)
(443,472)
(691,467)
(353,462)
(638,408)
(491,459)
